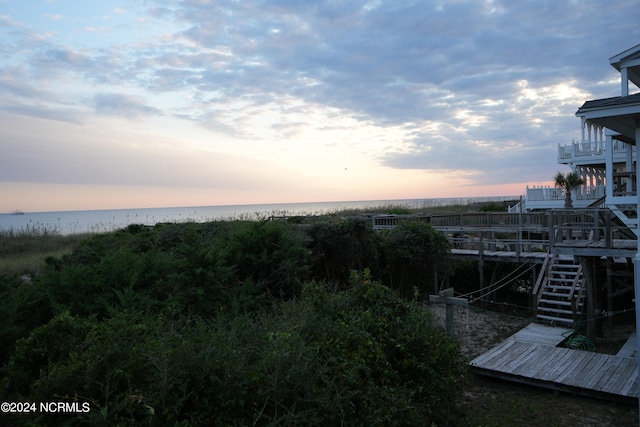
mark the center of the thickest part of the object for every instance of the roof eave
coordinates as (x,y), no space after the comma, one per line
(617,59)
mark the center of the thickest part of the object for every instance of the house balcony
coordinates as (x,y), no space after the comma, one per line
(591,152)
(537,198)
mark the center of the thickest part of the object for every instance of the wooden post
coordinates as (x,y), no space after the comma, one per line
(607,229)
(519,238)
(610,267)
(446,296)
(587,269)
(481,260)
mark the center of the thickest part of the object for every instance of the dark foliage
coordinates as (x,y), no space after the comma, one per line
(360,357)
(232,323)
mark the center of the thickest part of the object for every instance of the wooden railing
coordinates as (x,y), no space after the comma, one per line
(482,231)
(586,224)
(496,220)
(541,281)
(521,232)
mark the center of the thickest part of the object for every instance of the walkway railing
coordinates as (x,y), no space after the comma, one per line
(587,225)
(525,232)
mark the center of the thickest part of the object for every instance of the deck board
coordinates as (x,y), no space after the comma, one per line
(532,356)
(629,348)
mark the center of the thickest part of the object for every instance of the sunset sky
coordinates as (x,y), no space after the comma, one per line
(150,103)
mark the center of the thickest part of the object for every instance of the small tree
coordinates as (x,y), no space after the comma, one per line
(568,182)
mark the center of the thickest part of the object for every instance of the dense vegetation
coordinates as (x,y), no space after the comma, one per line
(235,323)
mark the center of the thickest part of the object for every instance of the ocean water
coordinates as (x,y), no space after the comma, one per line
(98,221)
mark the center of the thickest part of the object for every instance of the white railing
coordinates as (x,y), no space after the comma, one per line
(544,193)
(547,197)
(584,149)
(585,192)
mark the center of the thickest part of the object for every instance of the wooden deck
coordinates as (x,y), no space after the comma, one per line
(617,247)
(532,356)
(504,256)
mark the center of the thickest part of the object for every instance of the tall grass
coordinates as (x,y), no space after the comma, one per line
(24,250)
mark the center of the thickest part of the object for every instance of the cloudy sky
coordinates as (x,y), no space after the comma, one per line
(152,103)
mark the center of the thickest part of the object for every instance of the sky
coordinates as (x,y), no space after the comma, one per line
(158,103)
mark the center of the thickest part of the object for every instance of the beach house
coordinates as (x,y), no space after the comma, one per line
(605,156)
(592,268)
(604,238)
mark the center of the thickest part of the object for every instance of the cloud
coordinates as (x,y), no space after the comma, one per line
(126,106)
(7,21)
(109,157)
(67,115)
(482,89)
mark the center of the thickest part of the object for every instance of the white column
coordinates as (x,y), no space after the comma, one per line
(636,279)
(609,169)
(624,81)
(630,166)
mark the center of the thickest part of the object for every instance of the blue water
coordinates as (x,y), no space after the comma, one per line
(98,221)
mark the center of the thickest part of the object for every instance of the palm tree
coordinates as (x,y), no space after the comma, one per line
(568,183)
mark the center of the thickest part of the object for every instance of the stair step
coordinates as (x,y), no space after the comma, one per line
(566,267)
(562,287)
(555,310)
(562,291)
(564,277)
(555,296)
(555,319)
(558,290)
(560,280)
(573,271)
(555,302)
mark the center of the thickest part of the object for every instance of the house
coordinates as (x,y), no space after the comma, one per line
(593,240)
(605,156)
(606,161)
(620,116)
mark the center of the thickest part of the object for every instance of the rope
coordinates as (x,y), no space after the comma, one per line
(577,341)
(472,300)
(496,284)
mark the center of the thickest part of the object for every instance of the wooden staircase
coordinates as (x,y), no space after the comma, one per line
(628,214)
(558,291)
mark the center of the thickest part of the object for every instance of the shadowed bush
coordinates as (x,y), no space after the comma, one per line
(358,357)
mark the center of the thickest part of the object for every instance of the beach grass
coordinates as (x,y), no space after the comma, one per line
(23,251)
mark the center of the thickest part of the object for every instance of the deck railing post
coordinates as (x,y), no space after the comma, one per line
(519,243)
(481,260)
(607,229)
(551,231)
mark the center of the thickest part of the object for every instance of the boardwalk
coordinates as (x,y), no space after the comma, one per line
(513,236)
(500,256)
(532,356)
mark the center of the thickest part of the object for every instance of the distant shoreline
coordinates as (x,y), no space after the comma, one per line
(434,201)
(105,220)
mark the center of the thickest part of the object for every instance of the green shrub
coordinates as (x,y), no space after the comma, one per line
(270,254)
(411,253)
(492,207)
(339,247)
(358,357)
(23,308)
(391,365)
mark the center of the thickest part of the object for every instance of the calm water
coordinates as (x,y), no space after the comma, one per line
(70,222)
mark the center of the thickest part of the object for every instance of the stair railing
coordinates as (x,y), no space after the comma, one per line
(541,282)
(575,299)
